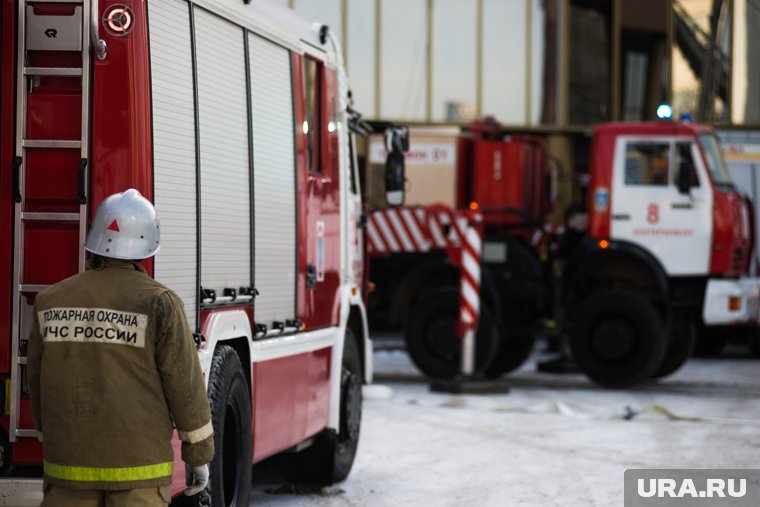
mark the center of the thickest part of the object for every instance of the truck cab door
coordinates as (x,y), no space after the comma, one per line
(648,209)
(355,221)
(319,197)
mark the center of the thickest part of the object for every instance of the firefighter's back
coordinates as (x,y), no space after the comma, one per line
(102,402)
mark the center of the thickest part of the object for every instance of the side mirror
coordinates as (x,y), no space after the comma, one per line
(395,178)
(396,142)
(684,178)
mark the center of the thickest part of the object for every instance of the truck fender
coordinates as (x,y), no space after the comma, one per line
(592,255)
(225,326)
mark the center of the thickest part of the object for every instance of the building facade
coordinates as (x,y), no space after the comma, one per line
(555,67)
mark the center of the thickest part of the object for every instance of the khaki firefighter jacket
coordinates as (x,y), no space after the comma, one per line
(111,361)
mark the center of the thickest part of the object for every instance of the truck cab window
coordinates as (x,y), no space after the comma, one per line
(312,125)
(647,163)
(715,161)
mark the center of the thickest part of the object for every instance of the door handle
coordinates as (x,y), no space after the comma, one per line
(311,276)
(321,179)
(681,205)
(621,217)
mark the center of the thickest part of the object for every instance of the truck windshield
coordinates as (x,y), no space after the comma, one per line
(715,160)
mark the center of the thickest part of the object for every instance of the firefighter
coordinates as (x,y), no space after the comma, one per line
(111,363)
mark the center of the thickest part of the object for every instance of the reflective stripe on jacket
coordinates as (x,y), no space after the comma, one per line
(111,362)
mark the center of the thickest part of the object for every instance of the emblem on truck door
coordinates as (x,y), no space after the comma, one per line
(601,199)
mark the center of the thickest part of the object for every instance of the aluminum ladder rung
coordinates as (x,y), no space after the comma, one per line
(51,143)
(53,71)
(52,217)
(22,432)
(31,287)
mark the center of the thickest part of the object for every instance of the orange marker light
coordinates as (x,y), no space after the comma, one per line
(474,206)
(734,304)
(604,243)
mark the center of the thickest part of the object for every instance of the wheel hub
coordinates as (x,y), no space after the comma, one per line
(442,340)
(613,339)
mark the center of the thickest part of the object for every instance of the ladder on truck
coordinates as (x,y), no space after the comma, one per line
(50,168)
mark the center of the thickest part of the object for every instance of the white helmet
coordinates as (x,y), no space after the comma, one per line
(125,227)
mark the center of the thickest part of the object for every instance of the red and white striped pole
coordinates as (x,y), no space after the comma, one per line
(469,298)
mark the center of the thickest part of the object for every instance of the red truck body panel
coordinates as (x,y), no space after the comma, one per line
(497,175)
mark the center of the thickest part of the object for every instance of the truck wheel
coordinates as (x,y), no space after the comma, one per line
(432,341)
(6,455)
(711,341)
(754,344)
(617,338)
(330,458)
(230,470)
(514,350)
(679,349)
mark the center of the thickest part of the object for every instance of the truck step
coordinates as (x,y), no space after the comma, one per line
(53,71)
(51,143)
(30,288)
(26,433)
(50,216)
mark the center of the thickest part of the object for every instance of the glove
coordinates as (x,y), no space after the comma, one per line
(196,478)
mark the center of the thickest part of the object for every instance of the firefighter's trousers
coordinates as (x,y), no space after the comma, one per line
(56,496)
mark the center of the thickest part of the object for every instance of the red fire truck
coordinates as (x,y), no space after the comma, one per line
(669,245)
(659,255)
(423,276)
(231,117)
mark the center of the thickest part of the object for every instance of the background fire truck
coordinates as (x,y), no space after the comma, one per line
(742,153)
(658,255)
(232,119)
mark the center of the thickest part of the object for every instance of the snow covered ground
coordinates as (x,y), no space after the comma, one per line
(553,440)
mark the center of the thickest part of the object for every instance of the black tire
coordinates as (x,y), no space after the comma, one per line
(754,345)
(231,468)
(711,341)
(514,349)
(432,341)
(617,338)
(679,349)
(6,453)
(330,458)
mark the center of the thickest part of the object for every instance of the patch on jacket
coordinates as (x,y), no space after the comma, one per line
(93,325)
